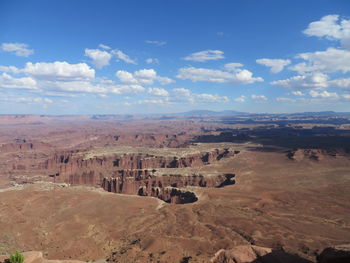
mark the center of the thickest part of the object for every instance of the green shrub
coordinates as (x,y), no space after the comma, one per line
(17,257)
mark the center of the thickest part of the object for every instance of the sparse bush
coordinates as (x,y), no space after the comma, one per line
(17,257)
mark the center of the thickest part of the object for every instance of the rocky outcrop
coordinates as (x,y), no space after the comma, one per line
(255,254)
(164,187)
(336,254)
(22,145)
(241,254)
(71,168)
(315,154)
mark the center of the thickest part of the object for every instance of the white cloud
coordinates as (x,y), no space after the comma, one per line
(11,69)
(126,77)
(142,77)
(323,94)
(233,66)
(126,89)
(182,94)
(152,60)
(158,92)
(331,60)
(124,57)
(20,49)
(283,99)
(158,102)
(156,42)
(59,71)
(9,82)
(259,97)
(34,100)
(67,80)
(104,46)
(204,97)
(240,99)
(332,28)
(276,65)
(340,83)
(205,55)
(240,76)
(100,58)
(27,100)
(314,80)
(298,93)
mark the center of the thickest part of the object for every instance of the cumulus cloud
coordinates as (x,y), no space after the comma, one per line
(19,49)
(64,79)
(239,76)
(142,77)
(100,58)
(158,102)
(205,55)
(158,92)
(276,65)
(59,71)
(323,94)
(331,27)
(9,82)
(331,60)
(156,42)
(182,94)
(152,60)
(284,99)
(104,46)
(259,97)
(124,57)
(240,99)
(298,93)
(233,66)
(316,80)
(26,100)
(10,69)
(343,83)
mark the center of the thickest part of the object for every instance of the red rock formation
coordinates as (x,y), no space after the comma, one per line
(164,187)
(314,154)
(255,254)
(73,169)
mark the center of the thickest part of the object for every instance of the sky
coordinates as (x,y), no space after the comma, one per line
(147,57)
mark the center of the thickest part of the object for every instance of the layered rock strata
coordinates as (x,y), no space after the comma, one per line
(165,187)
(74,169)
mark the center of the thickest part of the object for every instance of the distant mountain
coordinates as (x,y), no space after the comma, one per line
(209,112)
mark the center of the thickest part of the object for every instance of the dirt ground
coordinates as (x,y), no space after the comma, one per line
(300,206)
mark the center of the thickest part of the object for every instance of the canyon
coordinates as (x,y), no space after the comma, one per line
(172,190)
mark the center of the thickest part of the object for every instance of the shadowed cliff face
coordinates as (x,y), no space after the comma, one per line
(132,173)
(135,174)
(73,169)
(165,187)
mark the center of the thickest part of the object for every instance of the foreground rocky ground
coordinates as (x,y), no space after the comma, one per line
(285,199)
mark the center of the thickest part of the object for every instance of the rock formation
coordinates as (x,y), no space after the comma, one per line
(69,167)
(164,187)
(255,254)
(336,254)
(315,154)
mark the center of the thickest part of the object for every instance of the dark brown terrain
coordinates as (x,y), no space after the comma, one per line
(175,188)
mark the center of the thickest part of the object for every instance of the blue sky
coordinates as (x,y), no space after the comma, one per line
(117,57)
